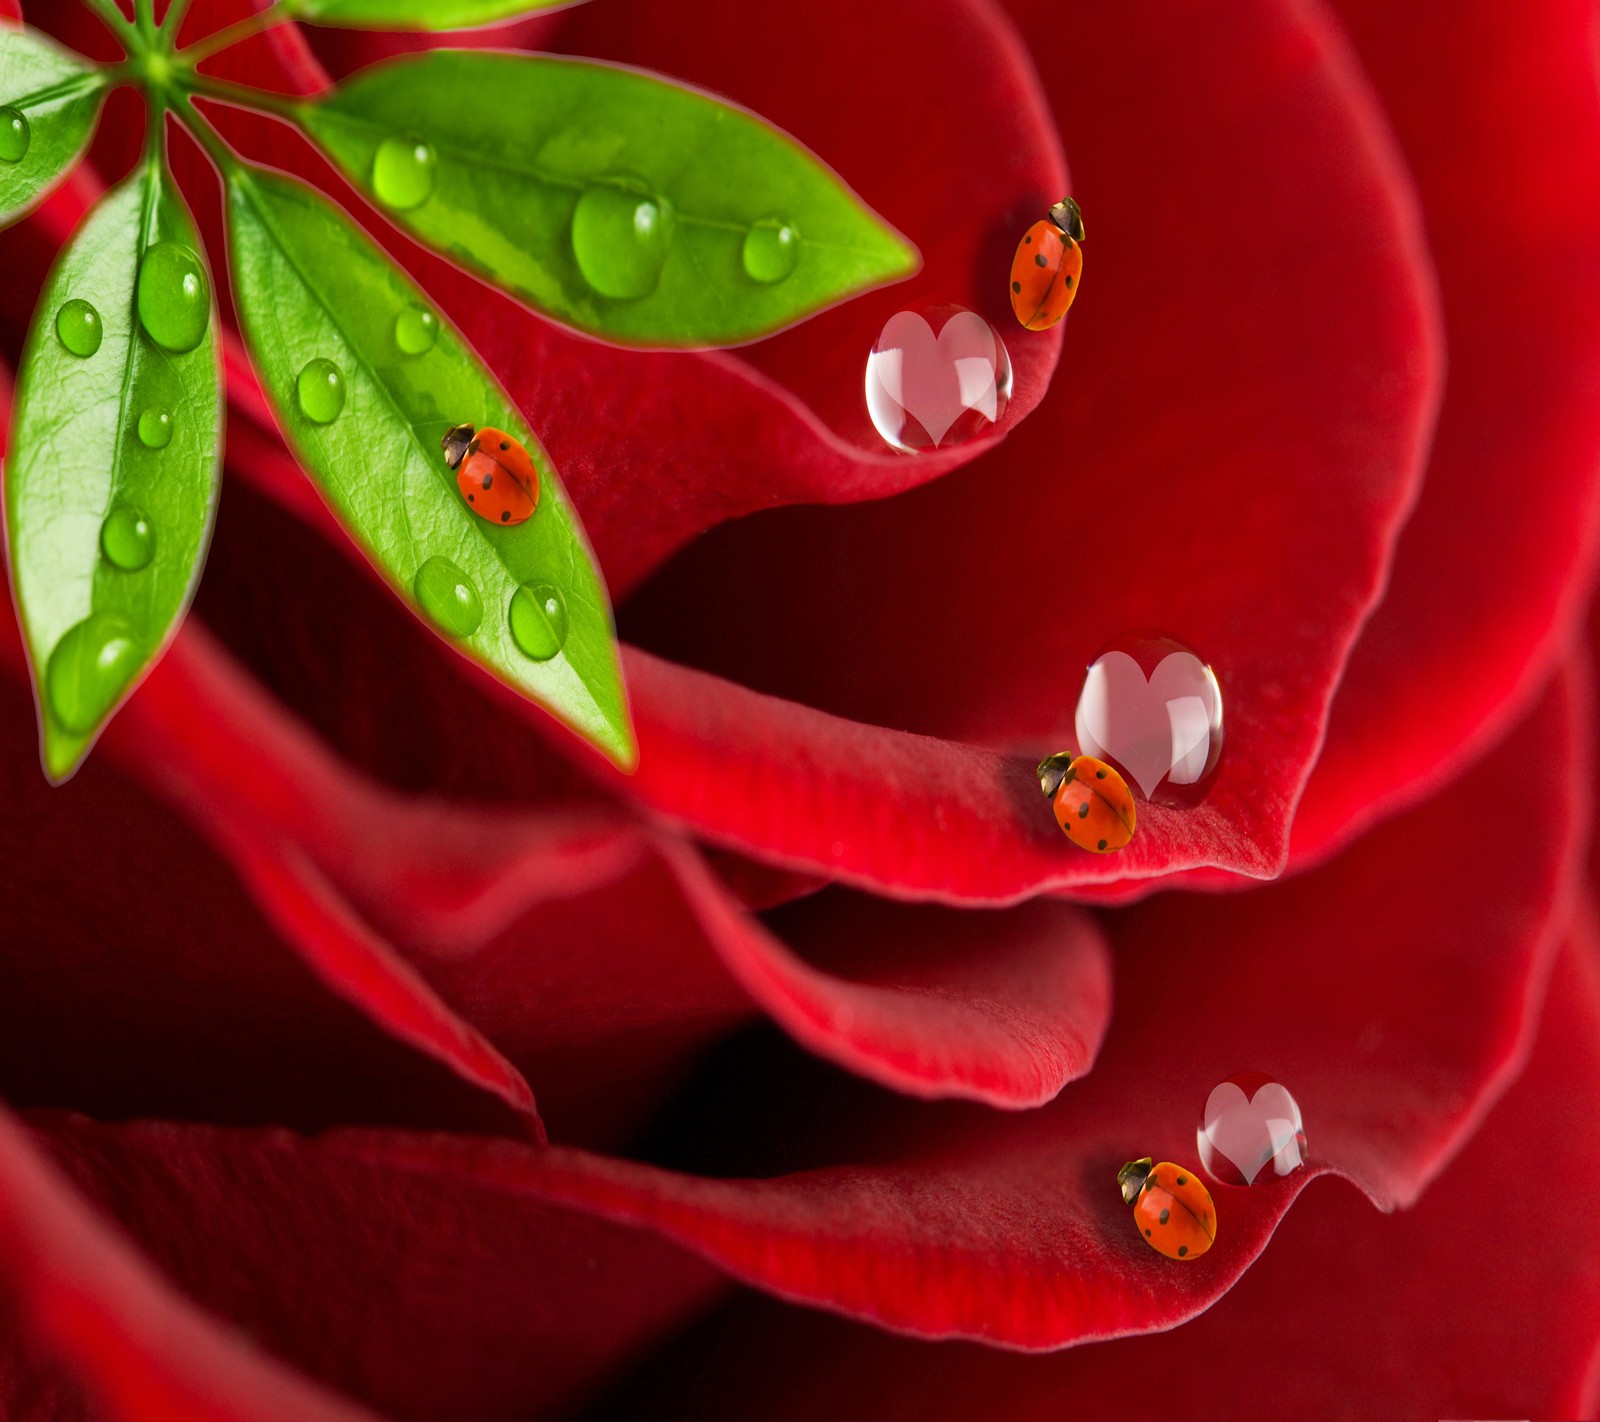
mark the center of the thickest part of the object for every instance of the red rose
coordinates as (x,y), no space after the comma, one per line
(289,964)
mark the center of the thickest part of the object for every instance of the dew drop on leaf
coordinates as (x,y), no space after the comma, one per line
(127,539)
(539,621)
(78,326)
(771,250)
(89,668)
(403,172)
(620,237)
(415,330)
(320,390)
(155,427)
(447,595)
(15,135)
(173,297)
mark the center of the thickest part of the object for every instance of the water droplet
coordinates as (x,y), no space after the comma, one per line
(1251,1130)
(415,330)
(320,390)
(78,326)
(937,378)
(155,427)
(127,539)
(539,621)
(620,236)
(1152,709)
(173,297)
(403,172)
(15,135)
(447,595)
(771,250)
(90,667)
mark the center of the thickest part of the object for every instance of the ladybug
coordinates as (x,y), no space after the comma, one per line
(1093,804)
(1172,1209)
(494,473)
(1048,267)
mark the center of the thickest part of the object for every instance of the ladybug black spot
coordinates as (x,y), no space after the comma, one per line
(506,516)
(1164,1216)
(1099,775)
(504,444)
(1102,844)
(1182,1250)
(1016,286)
(488,481)
(1147,1234)
(1028,240)
(1040,260)
(472,498)
(1083,810)
(1183,1180)
(1067,281)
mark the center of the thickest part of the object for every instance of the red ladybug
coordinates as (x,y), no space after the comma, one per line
(494,472)
(1048,267)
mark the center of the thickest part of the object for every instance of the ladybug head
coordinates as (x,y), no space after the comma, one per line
(1132,1177)
(456,443)
(1053,771)
(1067,215)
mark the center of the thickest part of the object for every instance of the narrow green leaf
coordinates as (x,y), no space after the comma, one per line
(49,103)
(325,314)
(633,208)
(112,479)
(415,14)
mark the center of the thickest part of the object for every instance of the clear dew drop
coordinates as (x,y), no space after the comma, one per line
(447,595)
(78,327)
(539,621)
(155,427)
(621,236)
(89,669)
(127,539)
(1250,1131)
(415,330)
(404,171)
(771,250)
(320,391)
(173,297)
(15,135)
(936,378)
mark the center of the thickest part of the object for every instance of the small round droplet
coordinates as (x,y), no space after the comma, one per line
(447,595)
(1250,1130)
(404,170)
(539,621)
(79,328)
(173,297)
(320,390)
(90,667)
(1152,710)
(620,237)
(771,250)
(127,539)
(155,427)
(15,135)
(937,378)
(415,330)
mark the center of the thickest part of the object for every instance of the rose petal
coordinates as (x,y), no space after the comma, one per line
(1491,575)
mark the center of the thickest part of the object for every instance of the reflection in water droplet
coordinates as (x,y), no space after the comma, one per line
(155,427)
(173,297)
(415,330)
(620,237)
(90,667)
(1152,709)
(771,250)
(15,135)
(403,172)
(1250,1130)
(937,378)
(539,621)
(320,390)
(127,539)
(447,595)
(78,326)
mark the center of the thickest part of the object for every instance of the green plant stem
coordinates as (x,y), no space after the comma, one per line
(174,21)
(144,19)
(116,21)
(251,25)
(240,96)
(204,134)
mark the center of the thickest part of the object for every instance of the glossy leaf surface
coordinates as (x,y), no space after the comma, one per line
(108,527)
(634,209)
(415,14)
(49,101)
(316,296)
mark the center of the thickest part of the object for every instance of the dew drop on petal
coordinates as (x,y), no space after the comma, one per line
(936,378)
(1250,1130)
(539,621)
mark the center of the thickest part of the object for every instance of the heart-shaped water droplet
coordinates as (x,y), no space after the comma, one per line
(1251,1130)
(937,378)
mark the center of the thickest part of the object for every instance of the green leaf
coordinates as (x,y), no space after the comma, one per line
(310,288)
(84,491)
(624,205)
(415,14)
(49,103)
